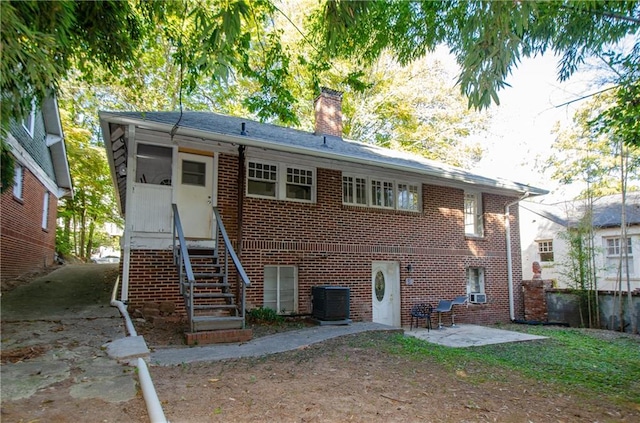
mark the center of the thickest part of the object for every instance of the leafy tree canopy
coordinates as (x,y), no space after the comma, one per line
(489,38)
(588,154)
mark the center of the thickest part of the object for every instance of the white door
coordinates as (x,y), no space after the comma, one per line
(194,195)
(385,287)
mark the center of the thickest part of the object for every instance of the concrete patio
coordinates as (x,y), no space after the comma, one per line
(467,335)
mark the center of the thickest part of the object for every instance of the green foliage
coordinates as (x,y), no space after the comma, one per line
(570,358)
(93,203)
(264,315)
(7,163)
(64,245)
(587,152)
(42,40)
(621,119)
(489,39)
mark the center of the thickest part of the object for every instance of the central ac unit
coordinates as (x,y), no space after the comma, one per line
(477,298)
(330,302)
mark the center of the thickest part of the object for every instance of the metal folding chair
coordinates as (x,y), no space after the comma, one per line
(444,306)
(459,300)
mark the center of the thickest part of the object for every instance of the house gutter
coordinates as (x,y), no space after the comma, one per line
(248,141)
(154,408)
(507,224)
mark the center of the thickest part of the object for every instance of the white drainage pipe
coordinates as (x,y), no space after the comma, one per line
(154,408)
(131,330)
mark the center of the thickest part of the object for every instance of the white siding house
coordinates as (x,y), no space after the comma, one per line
(542,229)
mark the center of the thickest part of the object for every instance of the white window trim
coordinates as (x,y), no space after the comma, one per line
(548,243)
(295,288)
(29,122)
(368,188)
(616,256)
(482,282)
(18,181)
(45,210)
(478,225)
(281,181)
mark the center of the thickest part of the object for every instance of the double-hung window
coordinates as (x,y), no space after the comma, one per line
(18,173)
(408,197)
(475,285)
(29,122)
(382,194)
(354,190)
(280,181)
(473,214)
(299,183)
(615,255)
(545,250)
(262,179)
(359,190)
(280,289)
(45,211)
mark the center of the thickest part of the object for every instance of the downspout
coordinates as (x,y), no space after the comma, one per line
(507,224)
(241,173)
(154,408)
(131,167)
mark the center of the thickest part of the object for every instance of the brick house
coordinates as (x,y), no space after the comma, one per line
(41,178)
(303,209)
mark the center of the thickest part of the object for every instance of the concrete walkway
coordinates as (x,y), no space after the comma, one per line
(464,335)
(285,341)
(66,316)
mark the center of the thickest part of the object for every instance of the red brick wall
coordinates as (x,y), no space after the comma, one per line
(26,247)
(153,278)
(333,244)
(535,299)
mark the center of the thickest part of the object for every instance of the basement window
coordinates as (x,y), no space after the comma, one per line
(281,289)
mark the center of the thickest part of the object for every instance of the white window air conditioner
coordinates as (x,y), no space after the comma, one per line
(477,298)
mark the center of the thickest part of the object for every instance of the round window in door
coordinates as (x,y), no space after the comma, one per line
(379,285)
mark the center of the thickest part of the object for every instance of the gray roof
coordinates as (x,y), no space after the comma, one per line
(212,125)
(607,210)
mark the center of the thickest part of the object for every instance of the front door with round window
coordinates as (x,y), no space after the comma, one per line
(385,287)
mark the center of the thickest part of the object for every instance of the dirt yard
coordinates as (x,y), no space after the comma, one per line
(352,379)
(346,379)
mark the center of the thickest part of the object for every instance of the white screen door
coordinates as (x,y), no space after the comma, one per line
(194,195)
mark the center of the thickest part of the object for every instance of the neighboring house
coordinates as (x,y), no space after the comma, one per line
(41,178)
(308,209)
(543,229)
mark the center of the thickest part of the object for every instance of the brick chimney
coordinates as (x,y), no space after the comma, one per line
(328,111)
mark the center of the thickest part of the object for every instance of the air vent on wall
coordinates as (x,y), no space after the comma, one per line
(477,298)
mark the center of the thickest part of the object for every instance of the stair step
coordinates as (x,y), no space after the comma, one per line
(207,285)
(211,295)
(207,275)
(199,252)
(215,307)
(201,323)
